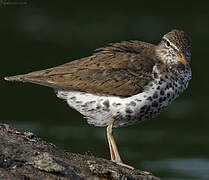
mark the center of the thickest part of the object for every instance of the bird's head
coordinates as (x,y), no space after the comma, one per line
(174,49)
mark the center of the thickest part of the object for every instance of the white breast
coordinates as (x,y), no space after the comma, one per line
(100,109)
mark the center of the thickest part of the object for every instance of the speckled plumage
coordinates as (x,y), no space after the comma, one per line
(122,84)
(101,109)
(128,81)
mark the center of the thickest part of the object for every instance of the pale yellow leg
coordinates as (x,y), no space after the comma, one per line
(115,156)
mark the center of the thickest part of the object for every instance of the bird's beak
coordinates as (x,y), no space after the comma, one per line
(182,59)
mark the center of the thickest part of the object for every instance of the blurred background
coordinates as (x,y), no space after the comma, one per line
(36,35)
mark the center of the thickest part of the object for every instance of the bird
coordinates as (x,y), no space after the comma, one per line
(121,84)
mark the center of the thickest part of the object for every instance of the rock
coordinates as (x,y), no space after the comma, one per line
(24,156)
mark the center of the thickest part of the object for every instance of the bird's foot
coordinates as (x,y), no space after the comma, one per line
(122,164)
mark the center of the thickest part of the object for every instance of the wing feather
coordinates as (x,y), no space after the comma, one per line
(121,69)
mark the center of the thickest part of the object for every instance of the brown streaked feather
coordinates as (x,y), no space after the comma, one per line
(121,69)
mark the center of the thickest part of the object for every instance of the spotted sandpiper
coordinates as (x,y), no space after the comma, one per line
(121,84)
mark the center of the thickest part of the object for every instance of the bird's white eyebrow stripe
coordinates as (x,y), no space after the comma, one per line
(173,45)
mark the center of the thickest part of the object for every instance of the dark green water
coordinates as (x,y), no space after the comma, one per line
(174,146)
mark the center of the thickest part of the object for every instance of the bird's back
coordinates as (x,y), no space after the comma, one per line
(121,69)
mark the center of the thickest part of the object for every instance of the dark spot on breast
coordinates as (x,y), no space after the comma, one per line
(144,107)
(73,98)
(155,104)
(175,84)
(78,102)
(175,79)
(139,100)
(162,92)
(170,85)
(128,116)
(128,110)
(149,98)
(162,79)
(87,103)
(155,75)
(148,108)
(155,112)
(106,104)
(116,104)
(98,107)
(90,102)
(118,117)
(155,95)
(158,88)
(160,99)
(84,105)
(168,95)
(132,103)
(164,98)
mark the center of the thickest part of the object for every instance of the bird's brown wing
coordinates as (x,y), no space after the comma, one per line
(122,69)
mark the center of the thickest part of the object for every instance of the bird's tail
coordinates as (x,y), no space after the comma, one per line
(15,78)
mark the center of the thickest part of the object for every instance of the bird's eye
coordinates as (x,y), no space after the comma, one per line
(168,44)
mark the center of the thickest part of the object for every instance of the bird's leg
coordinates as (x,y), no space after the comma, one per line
(115,156)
